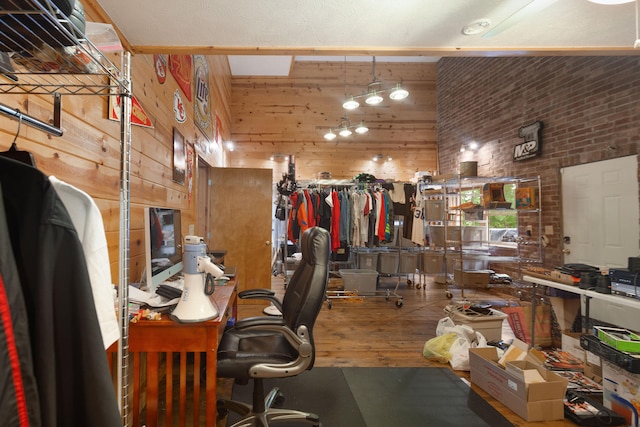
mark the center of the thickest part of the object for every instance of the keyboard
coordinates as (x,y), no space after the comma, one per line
(169,291)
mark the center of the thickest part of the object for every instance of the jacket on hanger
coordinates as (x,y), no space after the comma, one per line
(69,362)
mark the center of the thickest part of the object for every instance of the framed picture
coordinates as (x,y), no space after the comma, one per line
(179,157)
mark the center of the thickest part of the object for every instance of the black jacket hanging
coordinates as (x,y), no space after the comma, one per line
(70,364)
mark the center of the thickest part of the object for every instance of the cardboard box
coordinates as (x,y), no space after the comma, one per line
(492,193)
(621,392)
(526,198)
(472,277)
(541,401)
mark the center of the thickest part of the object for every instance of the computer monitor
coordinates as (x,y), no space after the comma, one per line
(163,245)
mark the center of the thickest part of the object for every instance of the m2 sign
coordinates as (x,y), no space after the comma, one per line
(532,144)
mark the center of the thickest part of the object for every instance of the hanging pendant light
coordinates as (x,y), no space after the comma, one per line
(350,104)
(361,128)
(374,98)
(345,132)
(373,95)
(330,135)
(398,93)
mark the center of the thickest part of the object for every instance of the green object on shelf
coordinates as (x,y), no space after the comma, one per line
(618,338)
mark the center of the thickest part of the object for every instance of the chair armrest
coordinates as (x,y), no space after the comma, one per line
(264,294)
(261,322)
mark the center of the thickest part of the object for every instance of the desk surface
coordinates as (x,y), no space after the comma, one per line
(616,299)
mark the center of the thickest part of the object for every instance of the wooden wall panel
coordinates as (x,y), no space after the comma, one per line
(280,116)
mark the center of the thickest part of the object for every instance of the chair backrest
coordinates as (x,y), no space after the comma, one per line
(306,291)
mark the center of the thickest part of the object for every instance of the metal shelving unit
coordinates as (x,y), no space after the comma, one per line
(460,230)
(43,51)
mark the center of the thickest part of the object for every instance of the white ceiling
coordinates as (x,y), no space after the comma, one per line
(429,28)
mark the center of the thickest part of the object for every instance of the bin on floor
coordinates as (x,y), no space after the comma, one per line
(489,325)
(388,262)
(408,263)
(433,262)
(362,280)
(367,260)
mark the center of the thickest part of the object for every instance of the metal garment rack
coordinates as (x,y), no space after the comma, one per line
(43,52)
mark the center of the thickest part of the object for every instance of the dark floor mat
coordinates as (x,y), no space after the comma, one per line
(377,397)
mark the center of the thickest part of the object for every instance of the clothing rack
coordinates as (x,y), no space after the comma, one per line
(54,130)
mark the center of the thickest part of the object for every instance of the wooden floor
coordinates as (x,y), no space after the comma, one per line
(374,332)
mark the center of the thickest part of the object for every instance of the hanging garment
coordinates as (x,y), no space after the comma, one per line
(73,377)
(345,219)
(417,234)
(87,220)
(20,405)
(335,222)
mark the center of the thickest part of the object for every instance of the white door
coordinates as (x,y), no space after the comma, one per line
(600,212)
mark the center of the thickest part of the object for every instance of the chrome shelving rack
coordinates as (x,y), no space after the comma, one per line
(44,52)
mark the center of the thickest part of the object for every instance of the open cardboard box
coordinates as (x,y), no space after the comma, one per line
(539,401)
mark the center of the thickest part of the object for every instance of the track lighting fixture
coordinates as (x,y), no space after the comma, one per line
(344,129)
(373,94)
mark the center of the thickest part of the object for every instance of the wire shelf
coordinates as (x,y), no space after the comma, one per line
(43,51)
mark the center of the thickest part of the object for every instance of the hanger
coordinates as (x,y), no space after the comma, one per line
(19,155)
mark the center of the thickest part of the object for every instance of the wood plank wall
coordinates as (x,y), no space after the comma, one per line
(88,154)
(289,115)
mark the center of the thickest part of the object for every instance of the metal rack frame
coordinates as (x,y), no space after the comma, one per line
(71,65)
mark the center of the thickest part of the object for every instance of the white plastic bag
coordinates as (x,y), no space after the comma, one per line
(460,350)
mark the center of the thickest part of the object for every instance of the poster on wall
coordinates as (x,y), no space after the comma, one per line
(179,157)
(202,104)
(160,64)
(532,142)
(138,116)
(180,113)
(181,67)
(190,161)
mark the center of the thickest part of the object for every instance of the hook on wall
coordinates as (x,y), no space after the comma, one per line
(15,138)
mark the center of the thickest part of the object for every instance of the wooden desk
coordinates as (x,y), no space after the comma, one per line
(156,345)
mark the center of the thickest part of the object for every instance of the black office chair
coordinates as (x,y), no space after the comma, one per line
(276,347)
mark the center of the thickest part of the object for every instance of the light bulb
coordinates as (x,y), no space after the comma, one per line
(329,135)
(373,98)
(350,104)
(398,93)
(345,132)
(362,128)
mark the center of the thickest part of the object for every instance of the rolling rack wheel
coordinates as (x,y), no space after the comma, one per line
(328,304)
(448,294)
(399,303)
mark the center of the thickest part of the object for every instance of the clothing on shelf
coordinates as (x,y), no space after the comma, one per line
(72,377)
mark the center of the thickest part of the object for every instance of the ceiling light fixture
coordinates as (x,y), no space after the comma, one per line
(374,90)
(344,129)
(611,2)
(476,27)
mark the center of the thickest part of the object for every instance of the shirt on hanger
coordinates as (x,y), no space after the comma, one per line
(87,220)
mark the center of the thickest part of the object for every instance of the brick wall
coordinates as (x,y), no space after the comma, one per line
(590,107)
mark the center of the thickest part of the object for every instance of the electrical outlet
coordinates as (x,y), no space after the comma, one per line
(548,230)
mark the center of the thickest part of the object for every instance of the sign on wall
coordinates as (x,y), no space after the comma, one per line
(532,144)
(202,104)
